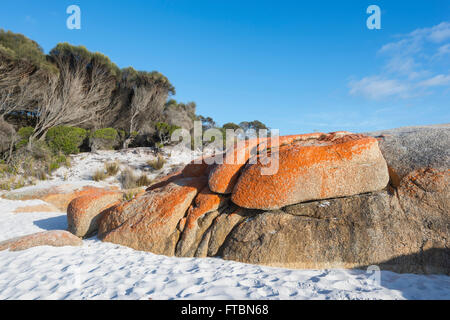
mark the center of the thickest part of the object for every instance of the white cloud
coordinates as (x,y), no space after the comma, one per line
(439,80)
(411,67)
(440,32)
(443,50)
(376,88)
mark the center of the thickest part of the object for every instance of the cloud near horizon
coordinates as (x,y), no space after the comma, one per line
(415,65)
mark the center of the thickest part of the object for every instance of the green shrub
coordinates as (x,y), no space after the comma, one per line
(231,125)
(104,139)
(24,134)
(106,133)
(65,139)
(18,47)
(164,131)
(52,166)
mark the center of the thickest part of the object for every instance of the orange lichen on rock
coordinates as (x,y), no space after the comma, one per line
(199,167)
(275,142)
(424,180)
(37,208)
(149,222)
(61,200)
(206,201)
(55,238)
(83,212)
(332,166)
(196,222)
(164,181)
(223,177)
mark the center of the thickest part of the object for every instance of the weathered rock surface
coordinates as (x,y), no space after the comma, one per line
(198,219)
(58,196)
(83,212)
(199,167)
(396,232)
(331,206)
(215,236)
(37,208)
(328,167)
(411,148)
(224,176)
(57,238)
(149,222)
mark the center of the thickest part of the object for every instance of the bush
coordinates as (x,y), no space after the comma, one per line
(164,132)
(231,125)
(143,181)
(104,139)
(128,179)
(65,139)
(99,175)
(18,47)
(112,168)
(24,134)
(157,164)
(7,135)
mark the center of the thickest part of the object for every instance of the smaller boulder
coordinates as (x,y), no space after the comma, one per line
(83,212)
(55,238)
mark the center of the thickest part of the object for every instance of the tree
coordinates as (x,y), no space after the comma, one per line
(80,91)
(255,124)
(231,125)
(23,66)
(207,123)
(150,91)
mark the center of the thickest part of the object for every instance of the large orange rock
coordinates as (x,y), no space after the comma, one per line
(198,221)
(223,177)
(149,222)
(83,212)
(334,165)
(56,238)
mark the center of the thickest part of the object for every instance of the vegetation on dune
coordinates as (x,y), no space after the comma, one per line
(16,47)
(71,100)
(66,139)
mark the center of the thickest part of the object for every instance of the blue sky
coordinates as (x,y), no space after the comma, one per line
(298,66)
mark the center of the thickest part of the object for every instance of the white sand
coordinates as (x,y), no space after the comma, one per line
(106,271)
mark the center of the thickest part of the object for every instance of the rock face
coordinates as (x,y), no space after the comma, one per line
(83,212)
(223,176)
(56,238)
(197,221)
(412,148)
(395,232)
(334,203)
(58,196)
(37,208)
(323,168)
(149,222)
